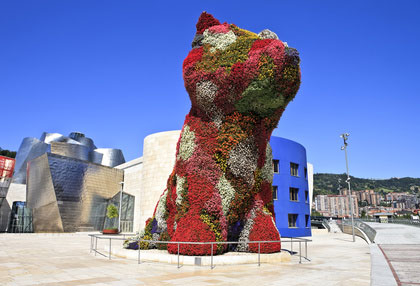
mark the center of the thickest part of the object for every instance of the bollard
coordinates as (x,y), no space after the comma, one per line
(291,245)
(259,253)
(138,259)
(110,249)
(300,256)
(211,256)
(96,244)
(91,244)
(178,254)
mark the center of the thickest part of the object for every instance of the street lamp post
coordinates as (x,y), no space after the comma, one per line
(120,208)
(345,136)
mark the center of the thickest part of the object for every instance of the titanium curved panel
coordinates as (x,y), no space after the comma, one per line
(51,137)
(57,137)
(110,157)
(29,149)
(82,139)
(70,150)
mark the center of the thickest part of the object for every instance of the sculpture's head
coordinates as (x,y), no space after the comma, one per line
(230,69)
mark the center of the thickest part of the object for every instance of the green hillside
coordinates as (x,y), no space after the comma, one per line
(7,153)
(328,184)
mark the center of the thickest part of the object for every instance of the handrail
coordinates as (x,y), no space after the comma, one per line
(95,237)
(326,225)
(366,232)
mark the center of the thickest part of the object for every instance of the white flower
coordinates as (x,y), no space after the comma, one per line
(187,143)
(161,212)
(227,193)
(267,170)
(244,236)
(219,41)
(243,159)
(180,181)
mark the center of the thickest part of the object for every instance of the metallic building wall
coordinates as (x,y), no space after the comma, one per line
(80,190)
(100,184)
(29,149)
(107,157)
(70,150)
(41,197)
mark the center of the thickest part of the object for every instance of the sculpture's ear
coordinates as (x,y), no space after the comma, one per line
(206,21)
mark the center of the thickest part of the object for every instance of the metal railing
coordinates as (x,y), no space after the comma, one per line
(95,237)
(126,225)
(326,225)
(395,220)
(361,229)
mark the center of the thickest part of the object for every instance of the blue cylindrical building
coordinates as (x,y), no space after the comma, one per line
(290,188)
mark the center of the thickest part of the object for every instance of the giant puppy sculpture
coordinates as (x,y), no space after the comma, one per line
(220,189)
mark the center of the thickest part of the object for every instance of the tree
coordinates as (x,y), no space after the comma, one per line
(111,211)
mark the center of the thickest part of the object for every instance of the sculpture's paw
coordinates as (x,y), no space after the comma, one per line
(264,229)
(195,229)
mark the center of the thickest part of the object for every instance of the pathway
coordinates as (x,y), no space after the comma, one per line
(64,259)
(396,255)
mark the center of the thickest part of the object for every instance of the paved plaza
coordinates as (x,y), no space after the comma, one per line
(64,259)
(396,255)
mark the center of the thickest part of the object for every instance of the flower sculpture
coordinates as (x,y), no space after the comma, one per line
(220,189)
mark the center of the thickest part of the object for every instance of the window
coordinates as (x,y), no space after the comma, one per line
(307,221)
(292,220)
(276,166)
(294,169)
(306,173)
(275,188)
(293,194)
(306,197)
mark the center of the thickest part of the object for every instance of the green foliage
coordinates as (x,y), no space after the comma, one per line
(328,184)
(315,213)
(7,153)
(111,211)
(261,98)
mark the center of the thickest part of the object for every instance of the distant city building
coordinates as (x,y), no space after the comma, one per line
(369,196)
(403,201)
(336,205)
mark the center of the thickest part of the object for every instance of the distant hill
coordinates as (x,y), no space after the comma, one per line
(328,184)
(7,153)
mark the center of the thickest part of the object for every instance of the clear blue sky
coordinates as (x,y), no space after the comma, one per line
(112,69)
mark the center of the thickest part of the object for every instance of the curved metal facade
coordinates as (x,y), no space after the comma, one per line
(76,145)
(29,149)
(108,157)
(292,207)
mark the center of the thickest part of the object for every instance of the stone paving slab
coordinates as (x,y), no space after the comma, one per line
(405,262)
(400,248)
(65,260)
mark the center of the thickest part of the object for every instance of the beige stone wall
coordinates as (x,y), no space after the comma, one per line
(132,185)
(159,152)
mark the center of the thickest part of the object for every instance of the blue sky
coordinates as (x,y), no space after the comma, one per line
(112,70)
